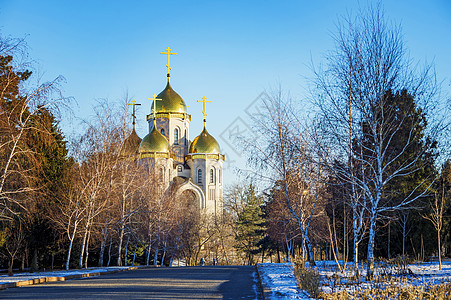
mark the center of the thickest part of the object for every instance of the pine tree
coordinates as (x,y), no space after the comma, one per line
(249,226)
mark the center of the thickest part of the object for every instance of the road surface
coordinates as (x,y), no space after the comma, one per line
(215,282)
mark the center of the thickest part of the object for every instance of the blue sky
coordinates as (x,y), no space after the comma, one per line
(228,51)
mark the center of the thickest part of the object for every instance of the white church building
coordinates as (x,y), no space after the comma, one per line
(194,167)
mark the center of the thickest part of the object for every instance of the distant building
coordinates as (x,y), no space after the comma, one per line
(194,168)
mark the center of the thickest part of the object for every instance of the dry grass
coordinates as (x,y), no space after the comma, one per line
(394,280)
(395,292)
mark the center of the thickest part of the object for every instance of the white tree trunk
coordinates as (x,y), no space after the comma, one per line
(134,254)
(70,249)
(371,236)
(148,250)
(109,252)
(87,247)
(126,250)
(119,246)
(83,244)
(103,240)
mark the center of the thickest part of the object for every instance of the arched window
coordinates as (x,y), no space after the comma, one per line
(199,176)
(212,176)
(162,131)
(179,168)
(176,136)
(162,173)
(186,138)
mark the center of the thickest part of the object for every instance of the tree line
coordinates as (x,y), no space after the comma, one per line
(83,201)
(366,174)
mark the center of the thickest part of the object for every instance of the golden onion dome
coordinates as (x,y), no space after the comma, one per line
(131,144)
(204,143)
(154,142)
(170,101)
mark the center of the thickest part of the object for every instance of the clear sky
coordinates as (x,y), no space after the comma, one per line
(228,51)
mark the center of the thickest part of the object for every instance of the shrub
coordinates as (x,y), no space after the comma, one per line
(308,278)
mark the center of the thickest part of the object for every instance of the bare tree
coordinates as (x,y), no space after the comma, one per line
(12,242)
(439,206)
(364,74)
(283,153)
(70,211)
(403,221)
(19,109)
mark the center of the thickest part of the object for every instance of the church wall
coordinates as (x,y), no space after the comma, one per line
(215,202)
(162,168)
(179,149)
(184,172)
(162,123)
(212,190)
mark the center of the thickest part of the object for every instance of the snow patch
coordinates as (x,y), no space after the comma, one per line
(281,280)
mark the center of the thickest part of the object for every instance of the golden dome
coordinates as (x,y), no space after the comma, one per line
(204,143)
(131,144)
(154,142)
(170,101)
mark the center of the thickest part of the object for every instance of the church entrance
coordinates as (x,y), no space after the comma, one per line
(191,196)
(190,200)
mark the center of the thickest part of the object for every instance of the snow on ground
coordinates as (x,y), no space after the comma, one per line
(281,280)
(36,275)
(419,273)
(255,284)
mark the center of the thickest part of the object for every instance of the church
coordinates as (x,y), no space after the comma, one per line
(194,167)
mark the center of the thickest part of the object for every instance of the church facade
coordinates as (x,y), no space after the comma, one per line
(193,168)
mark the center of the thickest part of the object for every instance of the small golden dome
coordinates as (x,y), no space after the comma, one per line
(154,142)
(204,143)
(130,145)
(170,101)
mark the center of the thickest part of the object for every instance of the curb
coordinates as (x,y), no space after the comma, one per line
(265,290)
(59,278)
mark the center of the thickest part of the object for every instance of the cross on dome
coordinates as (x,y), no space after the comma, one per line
(133,104)
(154,99)
(169,53)
(204,100)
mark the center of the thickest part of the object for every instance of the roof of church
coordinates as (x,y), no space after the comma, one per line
(154,142)
(170,101)
(131,144)
(204,143)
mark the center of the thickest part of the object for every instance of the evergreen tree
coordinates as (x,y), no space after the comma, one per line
(15,159)
(249,226)
(48,143)
(33,157)
(445,187)
(407,192)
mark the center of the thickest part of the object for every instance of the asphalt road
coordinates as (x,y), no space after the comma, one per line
(218,282)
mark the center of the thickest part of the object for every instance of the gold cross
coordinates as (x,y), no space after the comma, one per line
(204,100)
(155,99)
(133,104)
(169,53)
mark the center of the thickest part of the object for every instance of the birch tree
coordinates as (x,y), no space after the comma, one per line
(282,152)
(366,71)
(439,205)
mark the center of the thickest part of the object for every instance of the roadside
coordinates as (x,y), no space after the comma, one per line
(279,282)
(23,279)
(194,282)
